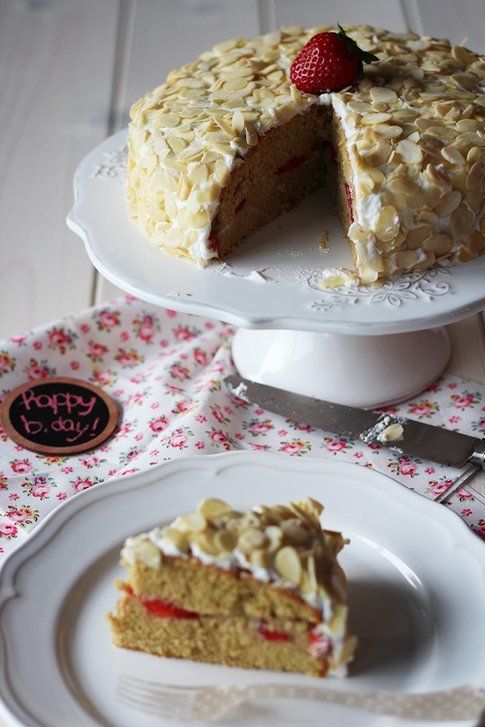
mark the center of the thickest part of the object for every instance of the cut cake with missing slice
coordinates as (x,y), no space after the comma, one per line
(256,589)
(228,143)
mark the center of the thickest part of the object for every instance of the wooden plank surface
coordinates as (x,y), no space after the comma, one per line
(381,13)
(56,61)
(461,21)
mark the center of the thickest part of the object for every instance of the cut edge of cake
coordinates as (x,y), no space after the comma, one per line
(260,589)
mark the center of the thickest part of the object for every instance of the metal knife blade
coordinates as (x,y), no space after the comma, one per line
(419,439)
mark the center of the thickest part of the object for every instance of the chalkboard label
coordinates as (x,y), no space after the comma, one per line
(58,415)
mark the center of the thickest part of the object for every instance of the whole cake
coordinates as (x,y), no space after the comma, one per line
(228,143)
(259,589)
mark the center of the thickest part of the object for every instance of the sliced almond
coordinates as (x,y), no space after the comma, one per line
(437,177)
(360,107)
(427,262)
(302,515)
(378,154)
(223,48)
(306,586)
(387,223)
(251,539)
(213,507)
(148,553)
(475,154)
(183,188)
(275,537)
(312,572)
(251,136)
(392,433)
(452,155)
(294,532)
(462,55)
(339,618)
(443,133)
(176,144)
(194,522)
(409,151)
(423,123)
(222,174)
(376,174)
(225,540)
(475,176)
(288,564)
(260,558)
(199,219)
(377,264)
(281,512)
(476,243)
(379,94)
(311,507)
(177,537)
(238,122)
(375,118)
(387,131)
(469,125)
(474,198)
(404,115)
(428,216)
(448,203)
(210,193)
(406,259)
(403,185)
(367,276)
(415,136)
(198,174)
(205,541)
(462,222)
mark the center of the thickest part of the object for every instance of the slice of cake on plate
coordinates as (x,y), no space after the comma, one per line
(256,589)
(228,143)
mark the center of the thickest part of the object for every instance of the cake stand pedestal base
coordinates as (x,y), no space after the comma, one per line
(362,371)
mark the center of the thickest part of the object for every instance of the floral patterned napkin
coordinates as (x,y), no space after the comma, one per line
(166,370)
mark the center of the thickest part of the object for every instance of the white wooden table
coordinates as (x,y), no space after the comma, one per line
(69,71)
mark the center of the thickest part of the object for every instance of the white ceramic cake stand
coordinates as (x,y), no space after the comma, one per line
(361,346)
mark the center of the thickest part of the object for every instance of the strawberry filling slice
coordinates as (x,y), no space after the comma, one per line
(240,206)
(350,201)
(212,242)
(291,164)
(272,634)
(166,609)
(320,643)
(160,608)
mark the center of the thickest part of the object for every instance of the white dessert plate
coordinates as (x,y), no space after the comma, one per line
(416,575)
(287,254)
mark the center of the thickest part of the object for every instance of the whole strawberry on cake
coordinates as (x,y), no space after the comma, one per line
(393,123)
(256,589)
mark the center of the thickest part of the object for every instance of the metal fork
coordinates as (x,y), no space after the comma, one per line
(210,702)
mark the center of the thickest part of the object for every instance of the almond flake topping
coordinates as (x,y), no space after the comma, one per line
(285,541)
(413,126)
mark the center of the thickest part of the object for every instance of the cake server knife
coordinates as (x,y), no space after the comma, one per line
(417,439)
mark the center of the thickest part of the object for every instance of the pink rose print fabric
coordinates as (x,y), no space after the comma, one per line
(166,371)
